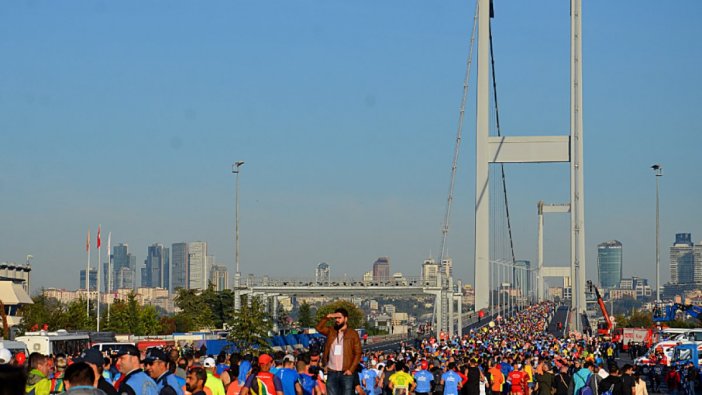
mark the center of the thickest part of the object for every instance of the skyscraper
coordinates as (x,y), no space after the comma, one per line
(522,277)
(123,267)
(179,273)
(92,279)
(381,269)
(198,265)
(683,268)
(430,271)
(322,273)
(156,271)
(609,263)
(219,277)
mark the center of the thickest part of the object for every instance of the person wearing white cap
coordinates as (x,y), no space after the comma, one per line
(213,383)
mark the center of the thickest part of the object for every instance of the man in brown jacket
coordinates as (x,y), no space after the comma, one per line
(342,352)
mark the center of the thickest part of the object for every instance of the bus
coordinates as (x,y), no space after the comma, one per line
(52,343)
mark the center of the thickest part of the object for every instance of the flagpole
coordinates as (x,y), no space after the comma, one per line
(87,279)
(109,274)
(98,281)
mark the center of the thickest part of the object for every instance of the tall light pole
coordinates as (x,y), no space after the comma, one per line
(658,171)
(237,275)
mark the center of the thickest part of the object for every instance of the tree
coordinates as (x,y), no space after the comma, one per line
(74,318)
(251,325)
(195,312)
(356,316)
(127,316)
(305,316)
(221,304)
(43,311)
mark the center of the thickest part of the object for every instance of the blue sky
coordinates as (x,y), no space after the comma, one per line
(130,114)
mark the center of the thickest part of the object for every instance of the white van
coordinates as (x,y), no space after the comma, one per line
(14,346)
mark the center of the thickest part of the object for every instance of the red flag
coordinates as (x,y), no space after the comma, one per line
(87,242)
(98,241)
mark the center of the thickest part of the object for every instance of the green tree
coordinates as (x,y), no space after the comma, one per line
(195,312)
(251,325)
(127,316)
(305,316)
(43,311)
(74,318)
(356,316)
(221,304)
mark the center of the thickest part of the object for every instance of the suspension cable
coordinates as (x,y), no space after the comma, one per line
(499,133)
(459,133)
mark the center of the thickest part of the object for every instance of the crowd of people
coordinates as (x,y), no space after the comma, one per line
(513,355)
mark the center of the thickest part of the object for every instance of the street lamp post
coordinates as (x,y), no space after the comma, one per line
(237,275)
(658,171)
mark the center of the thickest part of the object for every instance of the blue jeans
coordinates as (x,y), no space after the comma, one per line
(338,384)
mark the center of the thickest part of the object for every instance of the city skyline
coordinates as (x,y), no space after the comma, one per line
(346,116)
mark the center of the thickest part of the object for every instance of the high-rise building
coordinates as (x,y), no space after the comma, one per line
(156,270)
(430,271)
(522,277)
(381,269)
(322,274)
(123,268)
(124,279)
(179,268)
(447,266)
(92,279)
(683,269)
(609,264)
(219,277)
(198,265)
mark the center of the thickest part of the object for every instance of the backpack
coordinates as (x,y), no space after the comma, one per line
(586,390)
(609,391)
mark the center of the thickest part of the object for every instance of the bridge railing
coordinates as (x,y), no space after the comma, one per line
(340,282)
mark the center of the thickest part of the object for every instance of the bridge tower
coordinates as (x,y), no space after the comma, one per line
(529,149)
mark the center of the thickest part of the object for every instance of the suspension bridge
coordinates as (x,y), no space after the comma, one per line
(495,257)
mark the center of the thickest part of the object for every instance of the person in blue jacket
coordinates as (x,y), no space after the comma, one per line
(156,365)
(135,382)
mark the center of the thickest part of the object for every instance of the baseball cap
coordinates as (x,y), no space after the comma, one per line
(92,356)
(425,365)
(5,356)
(128,350)
(289,358)
(155,354)
(264,359)
(209,362)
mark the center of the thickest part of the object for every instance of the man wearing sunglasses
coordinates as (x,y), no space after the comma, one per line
(156,366)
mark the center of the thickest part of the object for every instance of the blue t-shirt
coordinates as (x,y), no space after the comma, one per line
(423,379)
(451,382)
(369,376)
(244,368)
(307,382)
(288,377)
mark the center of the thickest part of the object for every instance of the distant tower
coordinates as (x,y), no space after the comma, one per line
(123,267)
(179,266)
(522,278)
(156,271)
(198,265)
(609,264)
(219,277)
(92,279)
(430,271)
(322,274)
(447,266)
(682,261)
(381,269)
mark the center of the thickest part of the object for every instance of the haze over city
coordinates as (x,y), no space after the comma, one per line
(130,115)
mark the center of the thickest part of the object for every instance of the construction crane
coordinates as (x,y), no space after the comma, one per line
(667,313)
